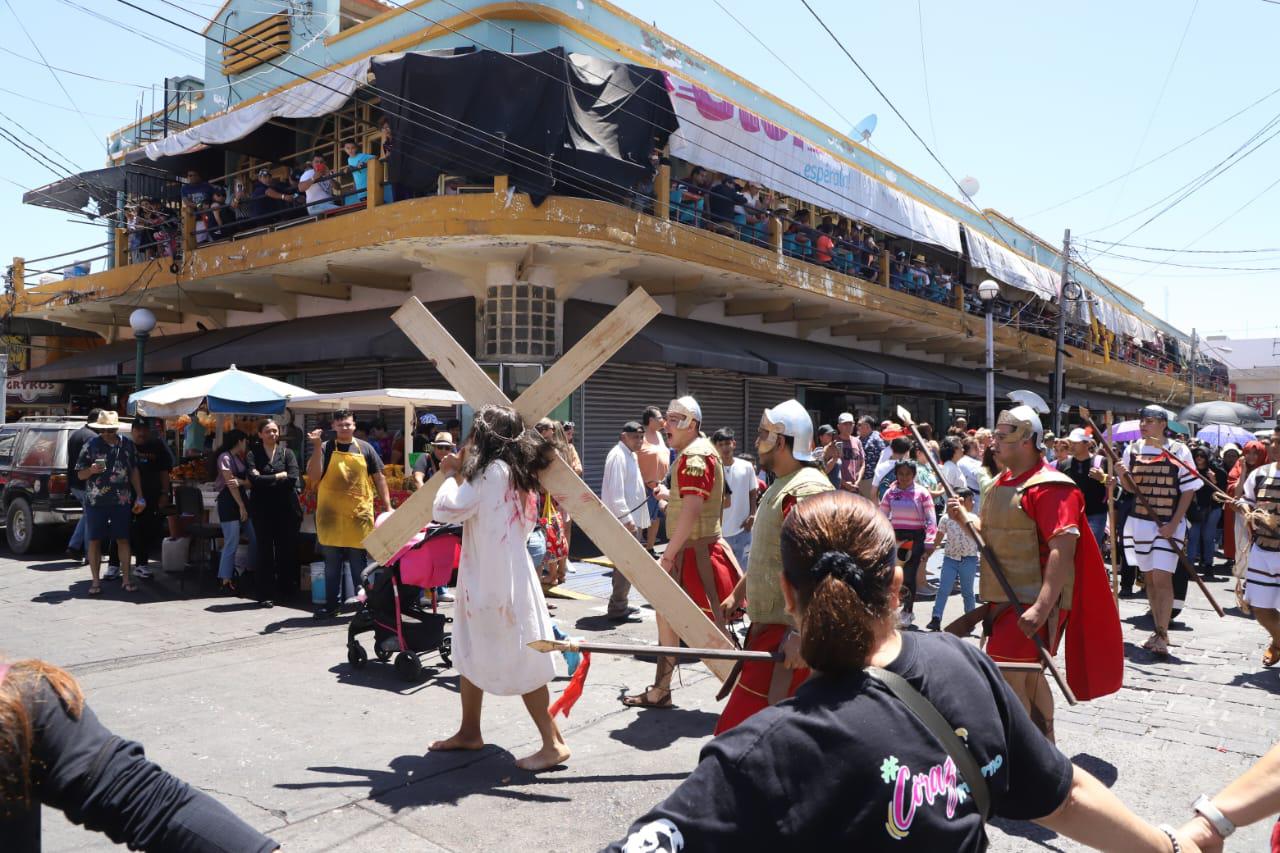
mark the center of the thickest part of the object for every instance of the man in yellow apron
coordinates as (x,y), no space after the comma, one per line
(344,473)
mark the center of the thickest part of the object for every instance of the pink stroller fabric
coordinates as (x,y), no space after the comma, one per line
(428,566)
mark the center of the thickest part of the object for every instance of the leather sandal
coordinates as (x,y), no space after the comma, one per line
(642,700)
(1271,656)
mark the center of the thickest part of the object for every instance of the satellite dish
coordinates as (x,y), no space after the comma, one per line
(863,129)
(969,185)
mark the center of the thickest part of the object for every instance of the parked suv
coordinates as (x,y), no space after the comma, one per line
(33,474)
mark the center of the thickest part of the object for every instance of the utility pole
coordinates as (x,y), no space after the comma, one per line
(1061,343)
(1193,366)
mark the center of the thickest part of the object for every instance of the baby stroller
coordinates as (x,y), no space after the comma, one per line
(391,607)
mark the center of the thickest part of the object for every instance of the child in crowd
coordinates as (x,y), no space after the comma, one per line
(960,560)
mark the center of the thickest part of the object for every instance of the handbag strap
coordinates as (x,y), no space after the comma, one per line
(943,731)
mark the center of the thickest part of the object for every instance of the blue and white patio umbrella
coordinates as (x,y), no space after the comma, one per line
(231,391)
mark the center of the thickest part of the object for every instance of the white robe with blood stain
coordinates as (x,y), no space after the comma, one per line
(499,608)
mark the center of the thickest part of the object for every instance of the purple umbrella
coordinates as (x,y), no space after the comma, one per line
(1125,431)
(1219,434)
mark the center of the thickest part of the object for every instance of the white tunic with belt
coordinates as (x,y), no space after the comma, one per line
(500,608)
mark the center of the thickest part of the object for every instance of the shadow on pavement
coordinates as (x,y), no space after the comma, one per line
(454,776)
(1102,769)
(1264,679)
(603,624)
(1025,829)
(57,565)
(383,676)
(653,728)
(1138,654)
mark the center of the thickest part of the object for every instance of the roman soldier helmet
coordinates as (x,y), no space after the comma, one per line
(1026,424)
(789,419)
(687,408)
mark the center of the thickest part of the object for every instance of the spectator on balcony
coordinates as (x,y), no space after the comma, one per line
(318,183)
(217,219)
(801,234)
(918,281)
(899,271)
(270,199)
(870,254)
(689,195)
(823,245)
(720,204)
(356,161)
(196,191)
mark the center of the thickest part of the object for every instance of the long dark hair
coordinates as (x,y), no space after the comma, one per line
(837,554)
(499,434)
(18,691)
(230,439)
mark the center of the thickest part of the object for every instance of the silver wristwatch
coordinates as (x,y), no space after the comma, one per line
(1204,807)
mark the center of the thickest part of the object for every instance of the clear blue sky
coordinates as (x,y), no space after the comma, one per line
(1038,101)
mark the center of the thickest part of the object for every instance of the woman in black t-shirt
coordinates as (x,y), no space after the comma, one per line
(845,764)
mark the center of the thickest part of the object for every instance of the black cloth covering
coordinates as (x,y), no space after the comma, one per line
(552,122)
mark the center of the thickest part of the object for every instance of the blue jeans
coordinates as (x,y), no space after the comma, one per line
(335,558)
(966,568)
(230,542)
(740,542)
(1202,539)
(77,535)
(1098,525)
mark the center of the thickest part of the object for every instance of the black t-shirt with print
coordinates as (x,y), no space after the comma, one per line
(845,765)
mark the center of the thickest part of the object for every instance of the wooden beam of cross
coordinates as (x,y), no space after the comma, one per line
(468,379)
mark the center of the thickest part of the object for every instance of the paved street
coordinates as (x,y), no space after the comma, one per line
(260,708)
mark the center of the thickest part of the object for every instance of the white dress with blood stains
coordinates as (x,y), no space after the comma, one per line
(499,608)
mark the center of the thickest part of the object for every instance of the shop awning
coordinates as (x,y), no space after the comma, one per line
(905,372)
(333,337)
(669,340)
(798,359)
(326,94)
(98,363)
(169,354)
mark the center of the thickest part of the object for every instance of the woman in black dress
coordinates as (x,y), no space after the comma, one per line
(276,513)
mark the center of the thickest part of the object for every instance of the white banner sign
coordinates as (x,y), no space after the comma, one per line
(720,136)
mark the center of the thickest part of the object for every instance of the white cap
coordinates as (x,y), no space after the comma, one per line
(687,408)
(845,418)
(1078,435)
(791,419)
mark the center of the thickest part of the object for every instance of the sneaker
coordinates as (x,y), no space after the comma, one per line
(112,573)
(143,572)
(935,624)
(446,598)
(906,619)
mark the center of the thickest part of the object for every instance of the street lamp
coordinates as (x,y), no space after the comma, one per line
(142,321)
(1071,292)
(988,291)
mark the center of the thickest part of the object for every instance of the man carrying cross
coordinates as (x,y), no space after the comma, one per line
(696,556)
(1154,537)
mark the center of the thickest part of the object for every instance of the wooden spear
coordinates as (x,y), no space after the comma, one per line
(994,562)
(574,645)
(1142,499)
(1111,523)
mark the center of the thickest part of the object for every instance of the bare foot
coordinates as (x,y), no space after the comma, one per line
(545,758)
(457,742)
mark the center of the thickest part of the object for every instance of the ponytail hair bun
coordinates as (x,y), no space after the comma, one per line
(837,554)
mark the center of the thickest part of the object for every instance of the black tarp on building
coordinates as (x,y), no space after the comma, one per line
(553,122)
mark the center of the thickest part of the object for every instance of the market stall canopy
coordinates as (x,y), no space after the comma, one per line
(97,192)
(1222,412)
(379,398)
(228,391)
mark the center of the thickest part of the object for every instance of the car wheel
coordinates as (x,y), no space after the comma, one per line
(20,527)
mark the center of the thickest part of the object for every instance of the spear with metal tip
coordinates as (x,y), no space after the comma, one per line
(1142,499)
(993,562)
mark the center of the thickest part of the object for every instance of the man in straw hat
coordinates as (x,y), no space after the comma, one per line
(108,467)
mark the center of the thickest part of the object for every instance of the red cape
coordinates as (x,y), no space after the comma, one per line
(1094,641)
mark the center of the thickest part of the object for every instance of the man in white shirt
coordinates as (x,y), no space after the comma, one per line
(317,182)
(622,491)
(743,492)
(970,464)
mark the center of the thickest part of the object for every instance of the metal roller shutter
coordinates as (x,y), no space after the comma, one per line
(334,379)
(764,394)
(612,396)
(412,374)
(723,398)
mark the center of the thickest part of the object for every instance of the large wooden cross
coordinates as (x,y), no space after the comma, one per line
(550,389)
